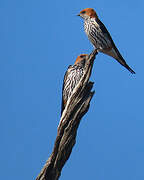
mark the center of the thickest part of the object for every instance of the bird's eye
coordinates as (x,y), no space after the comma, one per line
(83,12)
(81,56)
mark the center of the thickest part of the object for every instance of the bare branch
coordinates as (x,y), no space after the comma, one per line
(77,106)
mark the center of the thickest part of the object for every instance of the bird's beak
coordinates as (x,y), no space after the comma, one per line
(78,14)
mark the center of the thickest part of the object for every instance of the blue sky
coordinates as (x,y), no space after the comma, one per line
(38,40)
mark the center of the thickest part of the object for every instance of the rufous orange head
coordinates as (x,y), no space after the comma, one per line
(80,58)
(88,13)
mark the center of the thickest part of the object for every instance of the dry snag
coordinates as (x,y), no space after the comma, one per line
(77,106)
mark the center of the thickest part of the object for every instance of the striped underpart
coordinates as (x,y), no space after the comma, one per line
(72,77)
(102,41)
(95,34)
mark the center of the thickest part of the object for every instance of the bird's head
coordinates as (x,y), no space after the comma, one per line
(80,58)
(88,13)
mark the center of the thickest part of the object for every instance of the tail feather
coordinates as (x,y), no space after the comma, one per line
(123,63)
(114,52)
(121,60)
(129,69)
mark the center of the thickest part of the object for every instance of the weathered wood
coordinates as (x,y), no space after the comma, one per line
(77,106)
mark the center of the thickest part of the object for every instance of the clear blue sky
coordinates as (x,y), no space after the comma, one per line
(38,40)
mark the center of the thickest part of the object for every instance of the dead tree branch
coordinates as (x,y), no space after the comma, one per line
(77,106)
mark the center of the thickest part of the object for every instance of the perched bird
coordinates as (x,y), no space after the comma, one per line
(100,37)
(71,78)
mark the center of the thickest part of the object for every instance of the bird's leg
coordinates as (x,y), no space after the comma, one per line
(95,51)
